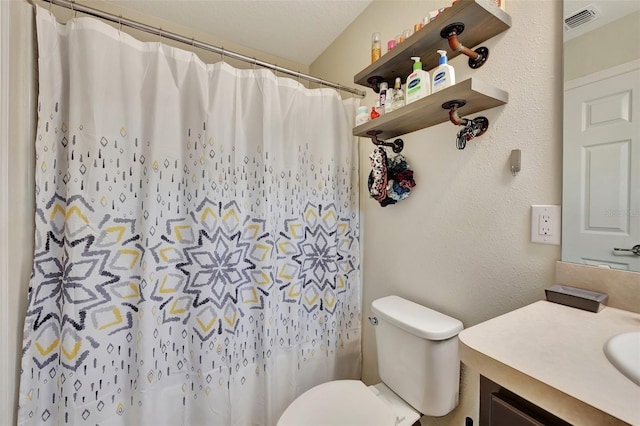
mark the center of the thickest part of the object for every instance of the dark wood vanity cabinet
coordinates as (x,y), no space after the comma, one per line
(501,407)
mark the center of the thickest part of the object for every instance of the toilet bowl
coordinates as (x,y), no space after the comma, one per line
(349,402)
(421,379)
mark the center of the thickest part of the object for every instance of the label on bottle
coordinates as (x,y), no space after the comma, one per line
(440,78)
(398,100)
(413,89)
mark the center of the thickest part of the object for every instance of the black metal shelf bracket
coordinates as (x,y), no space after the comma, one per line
(397,146)
(472,128)
(374,82)
(477,57)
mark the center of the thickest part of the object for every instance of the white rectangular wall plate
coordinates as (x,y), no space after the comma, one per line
(545,224)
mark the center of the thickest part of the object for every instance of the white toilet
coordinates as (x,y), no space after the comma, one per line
(419,366)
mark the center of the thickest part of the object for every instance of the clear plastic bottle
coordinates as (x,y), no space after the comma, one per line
(388,105)
(398,95)
(362,116)
(384,97)
(376,49)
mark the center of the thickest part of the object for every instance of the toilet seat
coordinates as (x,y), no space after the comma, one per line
(348,402)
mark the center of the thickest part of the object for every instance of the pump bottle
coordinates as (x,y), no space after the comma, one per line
(418,82)
(444,75)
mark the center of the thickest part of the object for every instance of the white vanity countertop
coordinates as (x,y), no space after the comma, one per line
(553,356)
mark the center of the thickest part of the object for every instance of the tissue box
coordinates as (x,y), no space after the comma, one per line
(588,300)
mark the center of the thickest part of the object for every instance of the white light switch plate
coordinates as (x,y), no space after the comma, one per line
(545,224)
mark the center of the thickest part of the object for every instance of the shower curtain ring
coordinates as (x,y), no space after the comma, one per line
(119,24)
(75,12)
(50,3)
(222,53)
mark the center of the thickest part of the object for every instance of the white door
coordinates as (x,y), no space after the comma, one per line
(601,190)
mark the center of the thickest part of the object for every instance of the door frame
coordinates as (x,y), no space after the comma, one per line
(6,408)
(601,75)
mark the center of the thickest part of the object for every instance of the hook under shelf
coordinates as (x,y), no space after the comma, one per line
(472,128)
(374,82)
(397,146)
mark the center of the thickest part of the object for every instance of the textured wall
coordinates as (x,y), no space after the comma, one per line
(460,242)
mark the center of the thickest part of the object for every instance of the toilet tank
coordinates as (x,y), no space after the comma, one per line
(418,354)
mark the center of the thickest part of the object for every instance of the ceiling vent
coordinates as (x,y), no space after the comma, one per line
(581,17)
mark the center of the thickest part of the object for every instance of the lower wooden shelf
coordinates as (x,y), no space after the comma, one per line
(428,111)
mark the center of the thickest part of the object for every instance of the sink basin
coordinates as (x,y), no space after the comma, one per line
(623,351)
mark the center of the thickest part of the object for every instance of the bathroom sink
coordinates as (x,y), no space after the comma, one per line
(623,351)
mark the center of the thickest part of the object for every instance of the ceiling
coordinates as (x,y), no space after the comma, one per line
(298,30)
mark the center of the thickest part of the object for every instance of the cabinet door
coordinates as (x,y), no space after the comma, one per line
(501,407)
(503,413)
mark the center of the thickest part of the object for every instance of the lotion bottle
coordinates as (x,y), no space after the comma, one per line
(418,82)
(444,75)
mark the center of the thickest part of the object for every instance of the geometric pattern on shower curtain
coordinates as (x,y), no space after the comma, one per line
(167,288)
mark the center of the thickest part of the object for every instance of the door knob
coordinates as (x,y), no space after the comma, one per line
(635,249)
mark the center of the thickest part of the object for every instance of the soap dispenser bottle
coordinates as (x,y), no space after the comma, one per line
(444,75)
(418,82)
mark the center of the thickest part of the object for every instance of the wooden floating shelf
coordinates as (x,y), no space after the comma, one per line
(428,111)
(482,21)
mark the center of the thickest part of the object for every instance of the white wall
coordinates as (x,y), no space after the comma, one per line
(63,14)
(460,242)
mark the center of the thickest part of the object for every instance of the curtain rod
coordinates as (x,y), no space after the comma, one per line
(69,4)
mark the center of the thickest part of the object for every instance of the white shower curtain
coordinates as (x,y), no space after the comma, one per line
(196,251)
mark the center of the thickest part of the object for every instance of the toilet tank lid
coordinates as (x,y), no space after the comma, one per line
(416,319)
